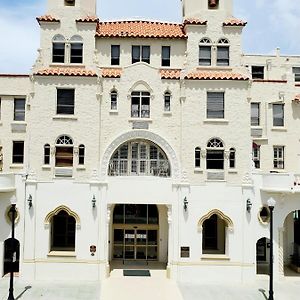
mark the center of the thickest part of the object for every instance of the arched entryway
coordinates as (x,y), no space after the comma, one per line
(135,232)
(11,251)
(291,244)
(262,256)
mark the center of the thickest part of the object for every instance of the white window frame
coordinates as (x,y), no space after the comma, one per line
(255,119)
(296,71)
(209,110)
(278,157)
(205,43)
(224,44)
(256,155)
(141,111)
(113,100)
(278,121)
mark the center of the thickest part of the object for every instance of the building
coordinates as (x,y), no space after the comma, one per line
(150,141)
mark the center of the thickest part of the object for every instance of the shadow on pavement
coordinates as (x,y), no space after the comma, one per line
(264,293)
(25,289)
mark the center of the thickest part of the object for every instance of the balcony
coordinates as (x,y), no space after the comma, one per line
(7,183)
(281,183)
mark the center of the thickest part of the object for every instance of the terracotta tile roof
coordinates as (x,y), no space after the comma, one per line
(170,73)
(215,75)
(66,72)
(297,84)
(297,98)
(234,22)
(192,21)
(111,72)
(88,19)
(140,29)
(47,18)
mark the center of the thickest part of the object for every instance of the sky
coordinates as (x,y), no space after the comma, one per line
(271,24)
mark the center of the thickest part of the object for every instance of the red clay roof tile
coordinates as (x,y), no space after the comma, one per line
(234,22)
(170,73)
(192,21)
(297,98)
(111,72)
(66,72)
(140,29)
(215,75)
(47,18)
(88,19)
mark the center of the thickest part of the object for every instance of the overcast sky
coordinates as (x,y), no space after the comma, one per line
(271,24)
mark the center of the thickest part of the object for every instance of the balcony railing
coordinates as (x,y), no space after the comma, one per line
(7,182)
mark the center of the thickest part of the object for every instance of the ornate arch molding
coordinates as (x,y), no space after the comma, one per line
(59,209)
(141,134)
(141,82)
(220,214)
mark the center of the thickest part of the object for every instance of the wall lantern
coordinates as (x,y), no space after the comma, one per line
(29,200)
(248,205)
(94,201)
(185,204)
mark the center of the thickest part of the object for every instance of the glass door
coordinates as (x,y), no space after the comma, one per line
(129,244)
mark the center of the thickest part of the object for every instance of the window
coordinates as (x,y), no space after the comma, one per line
(65,101)
(257,72)
(205,52)
(19,109)
(165,56)
(213,4)
(215,105)
(256,155)
(255,113)
(278,157)
(296,71)
(64,152)
(81,153)
(197,157)
(223,53)
(63,232)
(232,158)
(115,55)
(69,2)
(215,155)
(76,56)
(213,241)
(18,152)
(113,100)
(140,105)
(278,114)
(58,49)
(167,101)
(47,154)
(141,53)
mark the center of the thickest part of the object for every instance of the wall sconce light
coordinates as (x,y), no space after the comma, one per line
(29,200)
(185,204)
(94,201)
(248,205)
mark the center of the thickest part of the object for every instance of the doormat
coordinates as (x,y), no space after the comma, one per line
(136,273)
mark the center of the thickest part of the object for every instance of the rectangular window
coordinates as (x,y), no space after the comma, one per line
(255,113)
(58,53)
(166,56)
(141,53)
(18,152)
(215,160)
(256,155)
(278,161)
(167,104)
(19,109)
(296,71)
(140,105)
(115,55)
(204,55)
(76,53)
(215,105)
(257,72)
(222,56)
(278,114)
(65,101)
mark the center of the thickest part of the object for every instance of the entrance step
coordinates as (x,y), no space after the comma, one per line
(156,287)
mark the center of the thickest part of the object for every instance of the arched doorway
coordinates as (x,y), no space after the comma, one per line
(135,232)
(262,256)
(11,250)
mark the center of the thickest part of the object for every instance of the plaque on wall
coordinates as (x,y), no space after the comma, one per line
(140,125)
(184,251)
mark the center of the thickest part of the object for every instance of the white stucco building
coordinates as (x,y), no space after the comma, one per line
(142,141)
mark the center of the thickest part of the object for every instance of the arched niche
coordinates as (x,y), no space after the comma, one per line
(220,214)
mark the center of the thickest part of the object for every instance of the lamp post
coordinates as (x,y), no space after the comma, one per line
(12,213)
(271,204)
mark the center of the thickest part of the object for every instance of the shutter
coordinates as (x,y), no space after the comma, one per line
(215,105)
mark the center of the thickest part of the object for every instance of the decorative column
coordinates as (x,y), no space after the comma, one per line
(108,218)
(280,252)
(170,241)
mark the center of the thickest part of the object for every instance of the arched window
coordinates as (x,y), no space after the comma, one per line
(139,158)
(232,158)
(58,49)
(47,154)
(140,105)
(76,55)
(81,153)
(167,101)
(223,52)
(205,52)
(63,232)
(113,100)
(213,4)
(215,154)
(197,157)
(64,152)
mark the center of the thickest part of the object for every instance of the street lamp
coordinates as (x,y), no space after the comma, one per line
(271,204)
(12,213)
